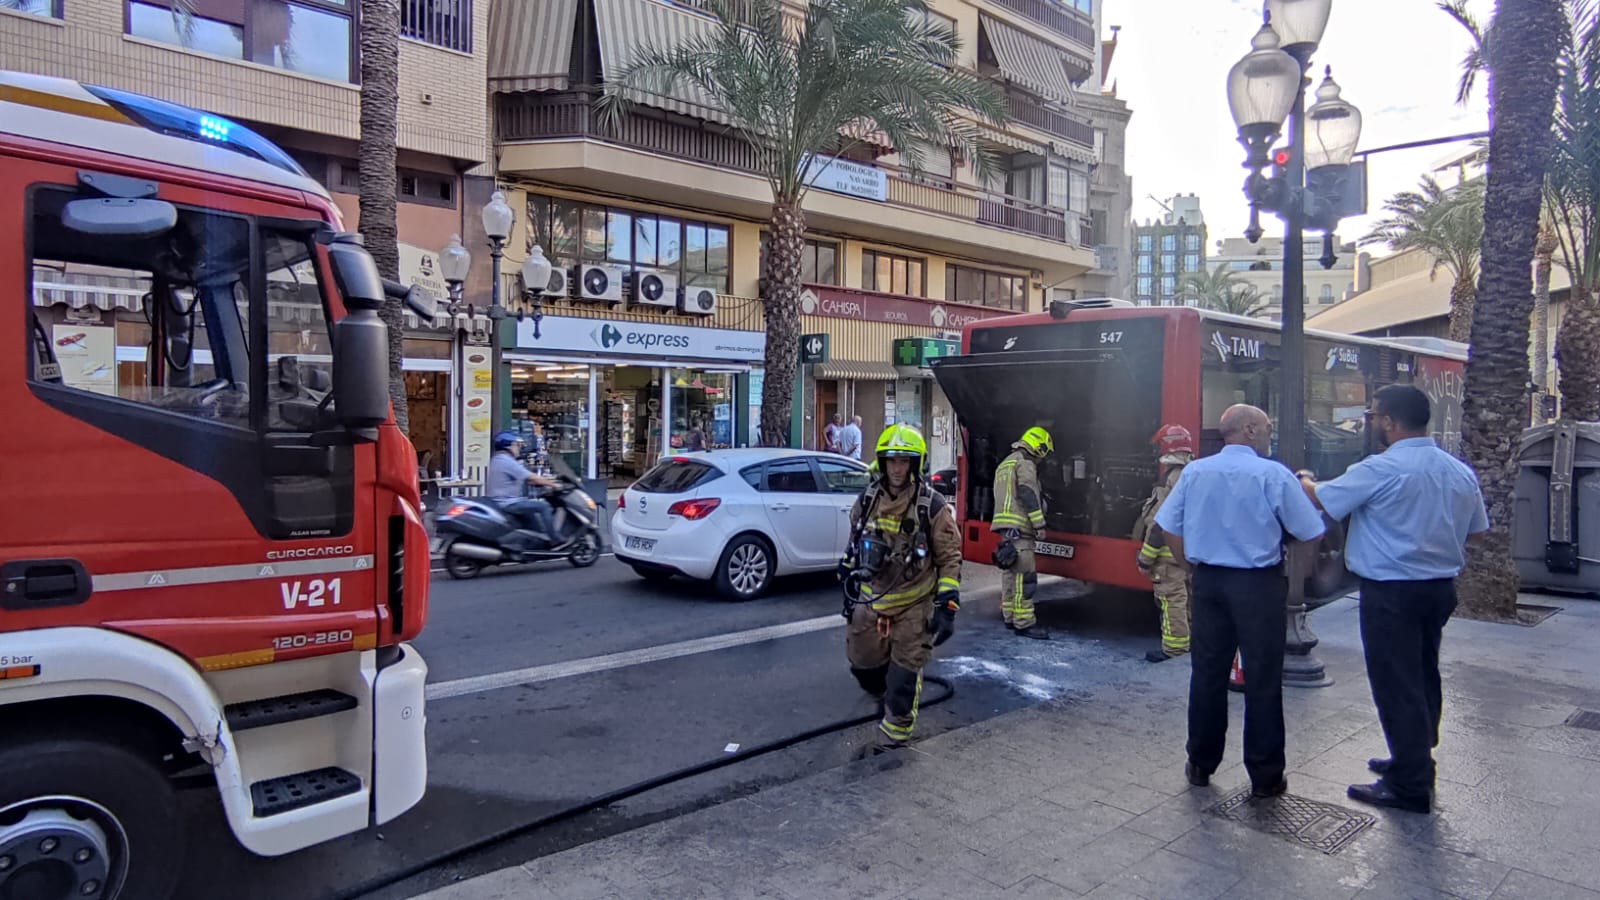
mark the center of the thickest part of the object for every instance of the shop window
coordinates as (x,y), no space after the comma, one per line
(311,38)
(893,274)
(702,410)
(982,287)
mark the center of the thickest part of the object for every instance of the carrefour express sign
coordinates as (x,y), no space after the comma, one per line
(613,338)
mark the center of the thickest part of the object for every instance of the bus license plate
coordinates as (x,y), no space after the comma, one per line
(637,543)
(1045,548)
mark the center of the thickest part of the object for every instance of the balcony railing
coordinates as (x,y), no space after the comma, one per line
(1065,22)
(1030,111)
(535,116)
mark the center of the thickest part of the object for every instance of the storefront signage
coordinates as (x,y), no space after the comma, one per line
(813,348)
(87,355)
(420,268)
(477,396)
(614,338)
(849,178)
(840,303)
(918,351)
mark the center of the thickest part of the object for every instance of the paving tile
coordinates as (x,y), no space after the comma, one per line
(1395,887)
(1174,818)
(1134,799)
(1165,875)
(1520,885)
(1101,860)
(1035,888)
(1271,859)
(1412,863)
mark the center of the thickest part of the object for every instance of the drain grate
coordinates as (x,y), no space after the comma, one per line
(1584,719)
(1320,826)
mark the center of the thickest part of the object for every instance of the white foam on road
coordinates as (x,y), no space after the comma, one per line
(1026,683)
(479,683)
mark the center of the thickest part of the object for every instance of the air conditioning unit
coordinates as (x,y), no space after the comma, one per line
(697,301)
(603,283)
(560,283)
(654,289)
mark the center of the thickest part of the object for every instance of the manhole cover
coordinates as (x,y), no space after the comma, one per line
(1320,826)
(1584,719)
(1533,613)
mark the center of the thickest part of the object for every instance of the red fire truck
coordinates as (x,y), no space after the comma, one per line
(211,554)
(1104,377)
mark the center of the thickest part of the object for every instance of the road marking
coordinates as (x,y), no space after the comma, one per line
(480,683)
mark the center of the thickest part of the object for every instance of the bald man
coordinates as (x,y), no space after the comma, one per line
(1227,517)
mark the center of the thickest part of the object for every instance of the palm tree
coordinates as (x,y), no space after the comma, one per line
(791,90)
(380,111)
(1446,224)
(1523,78)
(1572,198)
(1221,290)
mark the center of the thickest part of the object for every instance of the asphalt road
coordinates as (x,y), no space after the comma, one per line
(507,755)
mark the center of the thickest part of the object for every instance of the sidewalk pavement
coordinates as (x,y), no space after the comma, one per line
(1085,796)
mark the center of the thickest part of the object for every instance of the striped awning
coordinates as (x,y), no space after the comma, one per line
(626,26)
(530,44)
(1028,61)
(996,136)
(81,290)
(855,370)
(1075,152)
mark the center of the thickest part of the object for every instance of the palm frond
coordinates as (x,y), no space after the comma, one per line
(1445,223)
(1476,59)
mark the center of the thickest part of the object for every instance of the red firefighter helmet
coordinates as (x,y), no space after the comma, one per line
(1173,439)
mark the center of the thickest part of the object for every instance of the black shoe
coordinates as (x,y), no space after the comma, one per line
(1379,765)
(1034,631)
(1269,791)
(1156,656)
(1380,794)
(1195,776)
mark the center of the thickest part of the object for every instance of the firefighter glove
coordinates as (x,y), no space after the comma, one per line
(944,616)
(1005,554)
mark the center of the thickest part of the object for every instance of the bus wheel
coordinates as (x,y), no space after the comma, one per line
(80,818)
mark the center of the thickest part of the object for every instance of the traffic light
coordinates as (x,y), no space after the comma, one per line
(1280,161)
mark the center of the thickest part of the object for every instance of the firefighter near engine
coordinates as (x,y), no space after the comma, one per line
(1168,576)
(1018,519)
(902,582)
(223,561)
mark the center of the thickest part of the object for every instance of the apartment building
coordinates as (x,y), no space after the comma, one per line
(290,71)
(1261,266)
(670,200)
(1168,250)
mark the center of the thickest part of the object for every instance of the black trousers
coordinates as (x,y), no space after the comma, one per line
(1243,610)
(1401,625)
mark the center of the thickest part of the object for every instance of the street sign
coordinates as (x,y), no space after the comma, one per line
(918,351)
(813,348)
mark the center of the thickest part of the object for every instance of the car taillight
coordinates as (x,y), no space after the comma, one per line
(693,510)
(937,478)
(456,510)
(622,501)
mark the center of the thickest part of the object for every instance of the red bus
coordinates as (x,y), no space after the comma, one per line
(1104,376)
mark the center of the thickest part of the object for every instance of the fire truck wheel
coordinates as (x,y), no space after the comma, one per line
(81,818)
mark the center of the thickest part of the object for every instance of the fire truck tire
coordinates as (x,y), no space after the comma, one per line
(101,811)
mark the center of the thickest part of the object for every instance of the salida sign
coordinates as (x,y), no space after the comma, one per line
(838,303)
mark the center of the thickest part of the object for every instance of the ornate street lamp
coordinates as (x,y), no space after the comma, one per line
(454,264)
(498,218)
(535,278)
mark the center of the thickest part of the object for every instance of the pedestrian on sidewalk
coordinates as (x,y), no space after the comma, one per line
(1168,576)
(904,558)
(830,434)
(1019,520)
(850,438)
(1227,517)
(1412,508)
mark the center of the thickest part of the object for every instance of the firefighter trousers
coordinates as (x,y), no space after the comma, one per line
(1018,584)
(887,660)
(1172,598)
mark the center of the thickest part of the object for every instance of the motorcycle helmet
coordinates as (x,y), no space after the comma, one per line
(505,440)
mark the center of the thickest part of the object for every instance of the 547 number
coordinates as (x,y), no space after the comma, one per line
(1110,337)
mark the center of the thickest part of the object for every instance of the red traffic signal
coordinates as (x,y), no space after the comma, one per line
(1280,157)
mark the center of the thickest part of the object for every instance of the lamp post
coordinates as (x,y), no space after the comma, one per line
(535,278)
(1265,89)
(497,220)
(454,264)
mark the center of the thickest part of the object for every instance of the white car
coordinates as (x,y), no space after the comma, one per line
(738,518)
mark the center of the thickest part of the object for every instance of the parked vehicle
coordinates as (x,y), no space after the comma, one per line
(478,532)
(738,518)
(946,481)
(222,561)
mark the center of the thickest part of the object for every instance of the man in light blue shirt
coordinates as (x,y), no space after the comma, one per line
(1412,509)
(1227,516)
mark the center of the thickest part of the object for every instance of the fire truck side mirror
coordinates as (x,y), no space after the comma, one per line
(356,274)
(120,217)
(361,370)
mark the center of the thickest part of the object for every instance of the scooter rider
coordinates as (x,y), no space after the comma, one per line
(902,573)
(507,481)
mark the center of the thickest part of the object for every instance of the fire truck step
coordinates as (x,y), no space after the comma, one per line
(288,708)
(291,792)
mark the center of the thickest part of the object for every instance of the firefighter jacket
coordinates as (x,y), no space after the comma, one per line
(924,557)
(1145,529)
(1016,495)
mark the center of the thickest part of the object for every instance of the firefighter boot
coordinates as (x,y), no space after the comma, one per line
(900,702)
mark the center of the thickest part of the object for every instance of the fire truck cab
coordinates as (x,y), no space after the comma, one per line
(212,556)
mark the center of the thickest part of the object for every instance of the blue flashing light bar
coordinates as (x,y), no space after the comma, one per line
(192,124)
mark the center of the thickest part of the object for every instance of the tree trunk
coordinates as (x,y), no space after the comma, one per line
(380,110)
(1578,356)
(785,242)
(1461,297)
(1522,88)
(1543,255)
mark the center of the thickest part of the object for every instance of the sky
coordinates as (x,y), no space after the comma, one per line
(1398,61)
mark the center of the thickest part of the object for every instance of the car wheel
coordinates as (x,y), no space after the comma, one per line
(654,576)
(82,818)
(587,551)
(746,568)
(461,567)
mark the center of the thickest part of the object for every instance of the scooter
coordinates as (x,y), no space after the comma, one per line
(478,533)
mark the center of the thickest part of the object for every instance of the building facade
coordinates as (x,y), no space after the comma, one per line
(289,70)
(1110,188)
(1260,265)
(1165,252)
(656,226)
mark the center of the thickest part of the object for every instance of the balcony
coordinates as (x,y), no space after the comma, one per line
(1031,112)
(1067,23)
(543,117)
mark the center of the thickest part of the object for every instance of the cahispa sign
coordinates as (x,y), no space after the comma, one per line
(608,337)
(843,304)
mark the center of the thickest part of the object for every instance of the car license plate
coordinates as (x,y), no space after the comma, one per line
(638,543)
(1045,548)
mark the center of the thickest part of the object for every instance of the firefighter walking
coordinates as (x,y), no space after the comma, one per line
(1167,574)
(902,572)
(1019,519)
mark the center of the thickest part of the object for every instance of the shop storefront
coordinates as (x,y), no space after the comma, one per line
(607,398)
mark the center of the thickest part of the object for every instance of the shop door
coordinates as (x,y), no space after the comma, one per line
(827,407)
